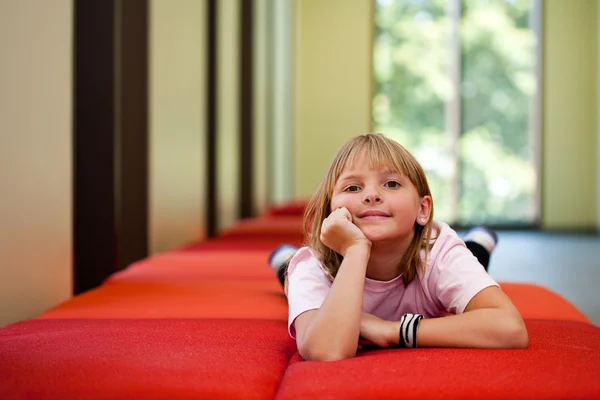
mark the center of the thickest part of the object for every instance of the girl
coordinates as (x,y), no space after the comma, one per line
(379,270)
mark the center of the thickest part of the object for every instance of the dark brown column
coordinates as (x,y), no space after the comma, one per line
(132,135)
(109,138)
(211,118)
(246,105)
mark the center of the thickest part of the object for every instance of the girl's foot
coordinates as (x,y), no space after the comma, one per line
(279,259)
(481,241)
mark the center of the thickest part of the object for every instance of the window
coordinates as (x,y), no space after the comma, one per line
(457,83)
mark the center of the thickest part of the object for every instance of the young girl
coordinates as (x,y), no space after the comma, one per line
(379,270)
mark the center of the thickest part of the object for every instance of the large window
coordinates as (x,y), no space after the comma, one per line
(457,83)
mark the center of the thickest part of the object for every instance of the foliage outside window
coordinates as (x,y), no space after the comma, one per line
(487,170)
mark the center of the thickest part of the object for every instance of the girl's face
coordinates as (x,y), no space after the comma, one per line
(384,204)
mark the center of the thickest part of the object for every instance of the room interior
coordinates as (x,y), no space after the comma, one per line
(134,128)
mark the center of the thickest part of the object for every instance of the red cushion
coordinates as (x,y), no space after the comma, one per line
(143,359)
(562,361)
(537,302)
(180,266)
(247,242)
(259,299)
(267,225)
(292,207)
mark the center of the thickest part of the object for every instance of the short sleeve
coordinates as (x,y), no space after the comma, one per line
(459,277)
(308,285)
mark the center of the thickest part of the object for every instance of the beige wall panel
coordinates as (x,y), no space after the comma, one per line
(261,37)
(35,157)
(333,82)
(598,119)
(177,123)
(570,133)
(228,143)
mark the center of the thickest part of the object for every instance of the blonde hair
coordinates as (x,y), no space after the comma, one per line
(380,152)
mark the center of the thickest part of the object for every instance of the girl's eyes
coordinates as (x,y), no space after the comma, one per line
(388,184)
(392,184)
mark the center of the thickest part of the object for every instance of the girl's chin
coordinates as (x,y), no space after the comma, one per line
(380,236)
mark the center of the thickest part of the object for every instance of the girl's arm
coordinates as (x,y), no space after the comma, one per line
(490,320)
(331,332)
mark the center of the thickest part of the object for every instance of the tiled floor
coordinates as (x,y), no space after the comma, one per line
(568,264)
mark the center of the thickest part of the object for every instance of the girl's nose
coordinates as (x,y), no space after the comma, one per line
(372,198)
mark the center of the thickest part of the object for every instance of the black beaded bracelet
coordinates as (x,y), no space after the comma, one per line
(408,330)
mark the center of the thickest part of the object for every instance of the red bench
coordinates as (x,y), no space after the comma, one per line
(208,320)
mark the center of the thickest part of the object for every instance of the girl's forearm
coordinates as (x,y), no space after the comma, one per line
(492,328)
(333,333)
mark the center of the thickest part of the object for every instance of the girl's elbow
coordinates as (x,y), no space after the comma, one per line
(521,338)
(313,353)
(516,336)
(325,356)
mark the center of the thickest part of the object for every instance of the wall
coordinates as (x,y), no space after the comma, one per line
(332,83)
(228,89)
(280,98)
(260,100)
(569,115)
(598,121)
(35,157)
(177,123)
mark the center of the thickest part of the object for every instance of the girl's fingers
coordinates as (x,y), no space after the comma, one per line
(341,211)
(344,211)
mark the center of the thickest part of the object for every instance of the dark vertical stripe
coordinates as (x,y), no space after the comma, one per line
(109,138)
(133,138)
(94,231)
(415,324)
(211,118)
(246,69)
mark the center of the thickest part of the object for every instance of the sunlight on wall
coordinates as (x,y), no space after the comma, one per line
(176,126)
(332,83)
(569,127)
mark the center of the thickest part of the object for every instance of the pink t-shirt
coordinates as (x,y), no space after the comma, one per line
(451,278)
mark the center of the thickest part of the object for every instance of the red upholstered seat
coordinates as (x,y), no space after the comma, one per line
(265,225)
(256,299)
(195,266)
(562,362)
(207,284)
(248,242)
(223,284)
(289,208)
(261,234)
(143,359)
(537,302)
(208,320)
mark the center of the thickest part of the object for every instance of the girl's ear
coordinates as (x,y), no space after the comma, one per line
(424,210)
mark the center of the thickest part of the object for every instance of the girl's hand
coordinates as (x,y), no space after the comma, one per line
(379,332)
(339,233)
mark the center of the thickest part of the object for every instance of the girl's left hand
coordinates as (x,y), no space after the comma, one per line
(379,332)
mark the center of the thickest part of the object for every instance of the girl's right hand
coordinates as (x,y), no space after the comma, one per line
(339,233)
